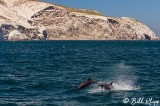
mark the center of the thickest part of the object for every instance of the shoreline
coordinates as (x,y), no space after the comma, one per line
(75,40)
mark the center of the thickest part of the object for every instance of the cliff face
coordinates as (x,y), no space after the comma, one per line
(33,20)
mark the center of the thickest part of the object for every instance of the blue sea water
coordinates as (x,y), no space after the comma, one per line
(47,73)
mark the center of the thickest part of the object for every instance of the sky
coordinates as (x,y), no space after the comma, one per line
(146,11)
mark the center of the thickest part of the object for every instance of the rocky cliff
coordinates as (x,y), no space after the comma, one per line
(34,20)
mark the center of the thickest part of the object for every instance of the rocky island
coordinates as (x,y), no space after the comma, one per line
(36,20)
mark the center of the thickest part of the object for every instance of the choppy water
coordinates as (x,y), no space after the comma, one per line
(47,73)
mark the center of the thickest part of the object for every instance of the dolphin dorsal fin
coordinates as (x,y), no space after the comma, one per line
(111,83)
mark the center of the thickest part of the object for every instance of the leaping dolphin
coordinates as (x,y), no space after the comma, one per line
(86,83)
(89,81)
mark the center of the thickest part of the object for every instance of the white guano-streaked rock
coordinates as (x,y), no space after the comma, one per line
(35,20)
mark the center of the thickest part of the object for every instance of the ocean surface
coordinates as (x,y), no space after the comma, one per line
(47,73)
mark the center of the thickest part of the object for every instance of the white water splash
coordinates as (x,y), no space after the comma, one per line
(123,77)
(124,86)
(96,90)
(117,87)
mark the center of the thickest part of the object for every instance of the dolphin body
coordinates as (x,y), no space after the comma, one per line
(86,83)
(106,86)
(89,81)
